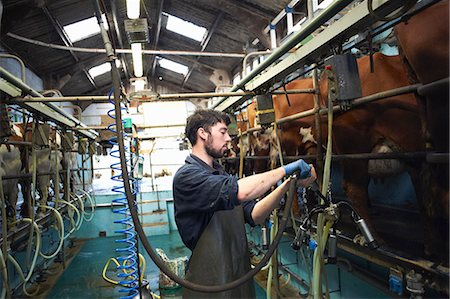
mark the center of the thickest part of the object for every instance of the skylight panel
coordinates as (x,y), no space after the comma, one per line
(173,66)
(185,28)
(84,28)
(100,69)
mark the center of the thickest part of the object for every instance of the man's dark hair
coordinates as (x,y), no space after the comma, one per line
(203,118)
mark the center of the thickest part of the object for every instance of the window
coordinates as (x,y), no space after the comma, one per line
(298,26)
(173,66)
(236,79)
(84,29)
(185,28)
(321,4)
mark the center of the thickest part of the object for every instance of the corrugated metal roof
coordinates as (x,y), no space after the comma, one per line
(242,22)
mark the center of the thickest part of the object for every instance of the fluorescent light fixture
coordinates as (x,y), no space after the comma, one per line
(173,66)
(324,4)
(133,9)
(136,52)
(100,69)
(185,28)
(84,28)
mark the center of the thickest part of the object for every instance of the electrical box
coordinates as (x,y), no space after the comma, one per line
(128,125)
(344,84)
(137,30)
(264,113)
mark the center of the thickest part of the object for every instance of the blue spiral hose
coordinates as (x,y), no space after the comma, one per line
(128,257)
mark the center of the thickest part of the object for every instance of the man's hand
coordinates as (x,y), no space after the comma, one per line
(309,180)
(299,165)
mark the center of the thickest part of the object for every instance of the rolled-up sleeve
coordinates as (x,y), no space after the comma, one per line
(248,209)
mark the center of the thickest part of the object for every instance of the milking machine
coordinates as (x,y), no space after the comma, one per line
(33,226)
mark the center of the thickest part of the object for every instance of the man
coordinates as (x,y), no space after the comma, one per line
(212,206)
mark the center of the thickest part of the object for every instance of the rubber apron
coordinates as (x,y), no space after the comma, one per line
(221,256)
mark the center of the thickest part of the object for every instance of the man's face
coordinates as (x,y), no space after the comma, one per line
(217,141)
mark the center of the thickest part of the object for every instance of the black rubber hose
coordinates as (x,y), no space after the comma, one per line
(137,225)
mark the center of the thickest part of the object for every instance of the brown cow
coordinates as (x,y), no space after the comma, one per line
(424,45)
(392,123)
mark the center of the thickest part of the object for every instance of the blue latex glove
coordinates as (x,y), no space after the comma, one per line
(299,165)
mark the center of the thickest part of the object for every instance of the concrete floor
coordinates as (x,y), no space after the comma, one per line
(82,277)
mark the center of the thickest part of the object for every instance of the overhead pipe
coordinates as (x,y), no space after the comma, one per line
(126,51)
(156,97)
(28,90)
(356,102)
(296,38)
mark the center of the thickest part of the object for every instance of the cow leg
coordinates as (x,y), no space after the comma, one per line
(355,183)
(43,183)
(432,200)
(26,209)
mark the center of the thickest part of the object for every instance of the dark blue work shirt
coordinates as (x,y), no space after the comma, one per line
(199,190)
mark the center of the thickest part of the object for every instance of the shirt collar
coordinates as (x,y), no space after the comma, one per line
(216,169)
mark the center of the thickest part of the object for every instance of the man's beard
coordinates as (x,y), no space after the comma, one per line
(212,152)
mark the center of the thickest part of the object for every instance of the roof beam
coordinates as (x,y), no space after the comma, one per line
(157,34)
(66,40)
(204,45)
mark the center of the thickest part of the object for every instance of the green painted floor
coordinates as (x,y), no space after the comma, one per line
(83,276)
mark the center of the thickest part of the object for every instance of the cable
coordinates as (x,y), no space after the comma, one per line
(91,213)
(75,225)
(33,264)
(80,222)
(61,229)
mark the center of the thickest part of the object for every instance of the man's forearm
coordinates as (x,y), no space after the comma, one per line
(265,206)
(254,186)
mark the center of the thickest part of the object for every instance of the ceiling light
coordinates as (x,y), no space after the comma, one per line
(133,9)
(136,52)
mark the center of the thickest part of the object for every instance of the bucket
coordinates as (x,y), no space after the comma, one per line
(167,287)
(171,292)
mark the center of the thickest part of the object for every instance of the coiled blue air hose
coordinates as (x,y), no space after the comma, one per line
(128,257)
